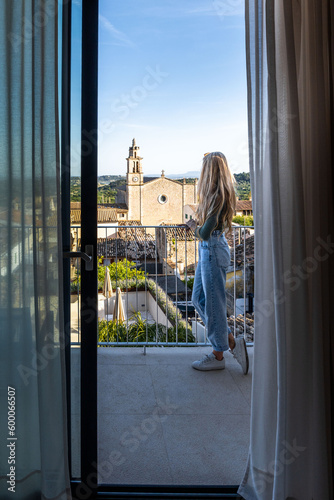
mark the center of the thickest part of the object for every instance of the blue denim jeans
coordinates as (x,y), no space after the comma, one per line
(208,295)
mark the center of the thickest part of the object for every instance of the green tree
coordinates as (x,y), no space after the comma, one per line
(243,188)
(189,282)
(243,220)
(141,331)
(106,194)
(121,270)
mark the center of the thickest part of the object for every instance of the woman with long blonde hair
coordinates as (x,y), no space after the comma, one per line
(216,207)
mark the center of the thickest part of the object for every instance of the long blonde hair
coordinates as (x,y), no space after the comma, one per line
(216,190)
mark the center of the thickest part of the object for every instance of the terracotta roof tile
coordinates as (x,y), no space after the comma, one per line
(119,206)
(129,223)
(106,215)
(180,232)
(243,205)
(244,252)
(103,215)
(75,205)
(131,243)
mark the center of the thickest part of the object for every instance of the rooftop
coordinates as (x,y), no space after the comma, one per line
(193,206)
(241,252)
(103,215)
(180,232)
(243,205)
(135,243)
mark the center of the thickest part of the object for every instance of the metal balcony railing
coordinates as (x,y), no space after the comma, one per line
(151,271)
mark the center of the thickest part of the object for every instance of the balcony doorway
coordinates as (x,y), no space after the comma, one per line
(161,426)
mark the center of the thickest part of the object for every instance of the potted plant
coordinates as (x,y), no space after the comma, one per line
(75,290)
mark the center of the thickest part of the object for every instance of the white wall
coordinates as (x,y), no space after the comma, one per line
(199,332)
(189,212)
(103,233)
(156,312)
(143,302)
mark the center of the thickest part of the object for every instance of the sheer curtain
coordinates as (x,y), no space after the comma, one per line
(33,452)
(290,84)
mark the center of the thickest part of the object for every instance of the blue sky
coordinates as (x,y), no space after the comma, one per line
(172,74)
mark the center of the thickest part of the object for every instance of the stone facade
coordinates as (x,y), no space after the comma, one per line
(176,251)
(190,212)
(163,201)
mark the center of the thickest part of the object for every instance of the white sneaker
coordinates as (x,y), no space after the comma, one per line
(209,362)
(240,354)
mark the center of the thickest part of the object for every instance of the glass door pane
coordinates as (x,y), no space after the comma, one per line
(79,190)
(172,86)
(71,159)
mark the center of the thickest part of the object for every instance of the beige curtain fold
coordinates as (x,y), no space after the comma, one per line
(290,95)
(33,454)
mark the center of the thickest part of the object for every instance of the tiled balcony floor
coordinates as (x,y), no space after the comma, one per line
(162,422)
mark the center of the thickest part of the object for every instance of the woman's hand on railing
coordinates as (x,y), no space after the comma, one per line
(191,224)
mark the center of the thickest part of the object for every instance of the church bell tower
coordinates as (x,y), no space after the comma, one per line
(134,182)
(134,168)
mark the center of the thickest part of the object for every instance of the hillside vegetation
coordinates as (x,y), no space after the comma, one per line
(108,185)
(243,185)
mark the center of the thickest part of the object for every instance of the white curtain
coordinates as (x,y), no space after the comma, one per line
(33,451)
(290,87)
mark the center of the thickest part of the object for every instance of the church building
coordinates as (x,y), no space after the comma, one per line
(153,201)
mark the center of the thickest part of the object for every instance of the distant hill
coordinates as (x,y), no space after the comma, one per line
(106,188)
(107,179)
(108,184)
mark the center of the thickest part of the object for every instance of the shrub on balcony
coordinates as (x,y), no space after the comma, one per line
(129,278)
(243,220)
(189,282)
(141,331)
(75,287)
(123,274)
(130,285)
(111,331)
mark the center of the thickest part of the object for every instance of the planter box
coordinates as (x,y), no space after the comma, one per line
(156,312)
(132,302)
(137,301)
(74,297)
(199,331)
